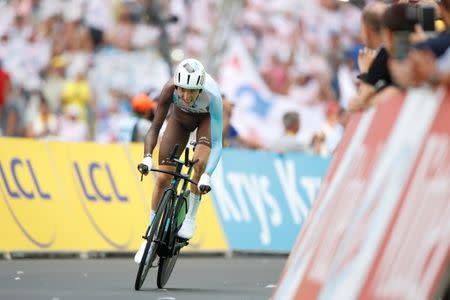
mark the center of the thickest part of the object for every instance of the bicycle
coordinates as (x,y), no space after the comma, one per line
(168,219)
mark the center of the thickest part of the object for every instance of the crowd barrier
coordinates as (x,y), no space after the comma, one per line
(87,197)
(380,226)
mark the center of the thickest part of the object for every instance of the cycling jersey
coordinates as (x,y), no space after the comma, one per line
(209,101)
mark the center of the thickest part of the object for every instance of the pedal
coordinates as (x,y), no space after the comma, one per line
(180,244)
(181,240)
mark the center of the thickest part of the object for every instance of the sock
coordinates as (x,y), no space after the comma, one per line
(152,215)
(194,202)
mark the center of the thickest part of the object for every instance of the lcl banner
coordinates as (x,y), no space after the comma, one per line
(82,197)
(380,228)
(32,206)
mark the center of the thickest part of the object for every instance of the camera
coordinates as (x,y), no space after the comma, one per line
(424,16)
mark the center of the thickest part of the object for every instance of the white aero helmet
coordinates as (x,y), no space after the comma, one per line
(190,74)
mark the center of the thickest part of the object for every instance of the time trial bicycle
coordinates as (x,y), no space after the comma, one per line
(161,234)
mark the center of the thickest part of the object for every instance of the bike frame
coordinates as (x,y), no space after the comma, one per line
(170,222)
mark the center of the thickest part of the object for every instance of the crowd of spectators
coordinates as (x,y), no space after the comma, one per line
(399,53)
(304,50)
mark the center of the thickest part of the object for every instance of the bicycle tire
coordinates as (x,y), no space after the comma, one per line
(165,268)
(166,264)
(144,267)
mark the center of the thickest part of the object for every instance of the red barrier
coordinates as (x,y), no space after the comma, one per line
(412,258)
(350,242)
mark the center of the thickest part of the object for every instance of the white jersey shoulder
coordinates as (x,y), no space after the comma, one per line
(201,105)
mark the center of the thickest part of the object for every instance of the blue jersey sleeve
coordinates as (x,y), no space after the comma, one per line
(216,113)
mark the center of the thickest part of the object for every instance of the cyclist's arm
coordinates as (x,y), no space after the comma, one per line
(216,112)
(164,101)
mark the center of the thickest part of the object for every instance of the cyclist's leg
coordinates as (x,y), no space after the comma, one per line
(175,133)
(202,149)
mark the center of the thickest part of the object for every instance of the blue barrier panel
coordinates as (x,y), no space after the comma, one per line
(262,198)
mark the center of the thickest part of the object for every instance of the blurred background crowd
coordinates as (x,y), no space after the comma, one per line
(91,70)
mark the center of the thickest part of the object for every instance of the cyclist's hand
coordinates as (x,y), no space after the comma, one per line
(204,184)
(145,166)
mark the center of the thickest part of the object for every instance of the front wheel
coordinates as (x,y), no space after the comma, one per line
(152,235)
(166,264)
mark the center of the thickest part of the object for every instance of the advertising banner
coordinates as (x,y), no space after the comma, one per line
(416,250)
(33,204)
(263,198)
(375,232)
(102,195)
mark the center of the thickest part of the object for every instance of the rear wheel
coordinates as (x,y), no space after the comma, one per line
(149,256)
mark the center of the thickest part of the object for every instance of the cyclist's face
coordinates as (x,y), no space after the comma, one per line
(187,96)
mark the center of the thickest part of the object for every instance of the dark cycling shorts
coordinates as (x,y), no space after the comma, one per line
(179,127)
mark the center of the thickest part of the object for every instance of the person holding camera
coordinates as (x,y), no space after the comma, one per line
(427,61)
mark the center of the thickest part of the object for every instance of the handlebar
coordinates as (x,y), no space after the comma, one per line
(175,174)
(143,169)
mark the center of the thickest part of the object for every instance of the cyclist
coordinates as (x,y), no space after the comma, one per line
(197,105)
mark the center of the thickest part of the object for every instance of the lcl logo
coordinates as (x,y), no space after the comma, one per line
(16,189)
(21,181)
(97,187)
(89,184)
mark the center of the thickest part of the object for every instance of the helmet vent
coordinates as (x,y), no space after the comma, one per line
(189,68)
(179,76)
(198,80)
(189,77)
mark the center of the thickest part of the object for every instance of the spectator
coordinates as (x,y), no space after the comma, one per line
(317,145)
(229,134)
(54,83)
(426,63)
(121,33)
(5,85)
(78,92)
(72,127)
(144,108)
(13,114)
(372,59)
(289,142)
(76,37)
(331,127)
(133,128)
(45,124)
(98,17)
(276,74)
(437,44)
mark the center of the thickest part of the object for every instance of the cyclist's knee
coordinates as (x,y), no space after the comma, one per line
(162,180)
